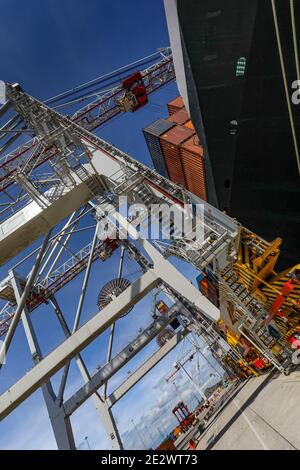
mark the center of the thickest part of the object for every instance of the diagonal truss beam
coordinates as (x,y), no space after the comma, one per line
(22,389)
(139,373)
(118,361)
(12,328)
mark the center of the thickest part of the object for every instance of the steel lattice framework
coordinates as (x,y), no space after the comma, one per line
(32,154)
(84,175)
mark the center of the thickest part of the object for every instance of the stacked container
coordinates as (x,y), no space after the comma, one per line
(170,144)
(176,151)
(151,134)
(175,105)
(192,160)
(180,117)
(189,124)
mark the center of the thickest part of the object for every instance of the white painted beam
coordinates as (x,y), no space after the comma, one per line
(118,361)
(137,375)
(22,389)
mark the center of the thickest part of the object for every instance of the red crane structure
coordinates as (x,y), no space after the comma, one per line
(130,94)
(183,415)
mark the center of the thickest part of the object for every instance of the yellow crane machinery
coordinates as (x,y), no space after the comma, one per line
(254,272)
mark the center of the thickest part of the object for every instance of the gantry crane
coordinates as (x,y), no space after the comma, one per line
(86,174)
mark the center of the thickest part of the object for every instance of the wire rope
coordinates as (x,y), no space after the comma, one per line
(283,71)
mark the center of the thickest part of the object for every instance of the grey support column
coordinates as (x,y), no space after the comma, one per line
(60,423)
(103,410)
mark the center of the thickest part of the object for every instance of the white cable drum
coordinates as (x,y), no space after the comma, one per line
(111,290)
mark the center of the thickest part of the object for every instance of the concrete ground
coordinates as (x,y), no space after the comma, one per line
(263,414)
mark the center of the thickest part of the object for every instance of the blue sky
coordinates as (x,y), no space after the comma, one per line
(49,46)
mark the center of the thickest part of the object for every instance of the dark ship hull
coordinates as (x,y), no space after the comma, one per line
(238,105)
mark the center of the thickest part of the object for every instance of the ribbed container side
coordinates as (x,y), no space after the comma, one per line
(194,173)
(180,117)
(156,153)
(192,160)
(193,145)
(189,124)
(151,135)
(171,110)
(170,142)
(172,159)
(175,105)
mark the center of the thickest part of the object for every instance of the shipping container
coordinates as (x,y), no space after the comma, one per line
(151,135)
(194,174)
(175,105)
(159,127)
(193,164)
(177,135)
(170,142)
(193,145)
(180,117)
(189,124)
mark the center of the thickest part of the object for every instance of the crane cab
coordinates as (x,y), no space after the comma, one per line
(135,95)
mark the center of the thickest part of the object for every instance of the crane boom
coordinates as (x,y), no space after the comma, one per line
(128,95)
